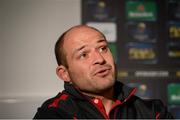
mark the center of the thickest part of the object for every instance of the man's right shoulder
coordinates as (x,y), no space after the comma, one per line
(53,107)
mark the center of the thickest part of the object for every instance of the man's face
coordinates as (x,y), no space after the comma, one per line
(90,63)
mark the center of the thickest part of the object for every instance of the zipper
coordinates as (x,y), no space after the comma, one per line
(118,102)
(103,112)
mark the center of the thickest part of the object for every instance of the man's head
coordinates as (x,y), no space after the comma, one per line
(85,60)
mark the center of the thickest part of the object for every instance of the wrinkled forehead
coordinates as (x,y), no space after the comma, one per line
(81,36)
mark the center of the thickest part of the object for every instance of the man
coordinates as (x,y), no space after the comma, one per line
(86,65)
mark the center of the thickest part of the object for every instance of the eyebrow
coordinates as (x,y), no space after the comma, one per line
(82,47)
(78,49)
(101,40)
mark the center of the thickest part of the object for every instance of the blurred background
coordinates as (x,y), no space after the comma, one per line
(28,32)
(144,36)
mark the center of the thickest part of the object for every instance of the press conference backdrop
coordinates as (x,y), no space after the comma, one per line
(147,60)
(144,36)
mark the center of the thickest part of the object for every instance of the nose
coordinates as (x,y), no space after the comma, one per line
(98,58)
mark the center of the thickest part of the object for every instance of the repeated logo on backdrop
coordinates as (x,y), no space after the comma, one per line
(139,10)
(145,42)
(141,31)
(174,9)
(173,30)
(174,51)
(99,10)
(174,93)
(141,53)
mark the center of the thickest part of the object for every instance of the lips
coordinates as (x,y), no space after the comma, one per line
(103,71)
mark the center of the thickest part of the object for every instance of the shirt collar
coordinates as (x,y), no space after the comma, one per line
(122,92)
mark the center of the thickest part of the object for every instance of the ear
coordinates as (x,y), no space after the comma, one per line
(62,73)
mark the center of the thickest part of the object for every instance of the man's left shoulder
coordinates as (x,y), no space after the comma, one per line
(155,106)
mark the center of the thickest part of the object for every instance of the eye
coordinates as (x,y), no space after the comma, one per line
(103,49)
(83,55)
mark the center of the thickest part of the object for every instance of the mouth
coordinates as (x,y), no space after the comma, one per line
(102,72)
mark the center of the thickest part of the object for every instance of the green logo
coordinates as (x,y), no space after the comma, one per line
(174,93)
(145,11)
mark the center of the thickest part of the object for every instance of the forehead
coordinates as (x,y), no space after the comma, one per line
(82,34)
(83,31)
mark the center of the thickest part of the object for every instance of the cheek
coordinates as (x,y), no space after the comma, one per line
(109,59)
(78,71)
(79,77)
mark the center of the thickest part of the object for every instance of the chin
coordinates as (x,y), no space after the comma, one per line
(107,85)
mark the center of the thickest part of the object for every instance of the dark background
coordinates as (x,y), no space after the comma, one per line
(149,61)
